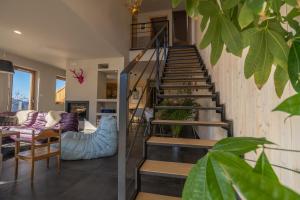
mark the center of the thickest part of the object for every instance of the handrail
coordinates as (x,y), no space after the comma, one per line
(160,41)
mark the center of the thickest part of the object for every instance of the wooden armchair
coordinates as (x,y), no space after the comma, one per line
(40,151)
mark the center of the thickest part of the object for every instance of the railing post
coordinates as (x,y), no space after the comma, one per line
(123,132)
(157,68)
(165,46)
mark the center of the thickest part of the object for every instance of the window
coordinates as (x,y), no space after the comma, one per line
(23,90)
(60,91)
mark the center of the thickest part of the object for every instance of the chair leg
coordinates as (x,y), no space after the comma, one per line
(58,164)
(32,170)
(48,160)
(16,168)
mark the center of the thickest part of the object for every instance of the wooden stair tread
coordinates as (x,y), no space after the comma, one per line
(184,69)
(183,73)
(174,169)
(190,80)
(166,96)
(185,86)
(150,196)
(189,123)
(187,108)
(185,142)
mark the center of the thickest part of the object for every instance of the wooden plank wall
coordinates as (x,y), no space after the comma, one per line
(251,111)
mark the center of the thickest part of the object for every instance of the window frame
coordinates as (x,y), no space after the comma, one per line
(32,100)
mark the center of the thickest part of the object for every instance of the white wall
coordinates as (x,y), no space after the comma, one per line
(45,83)
(88,90)
(251,111)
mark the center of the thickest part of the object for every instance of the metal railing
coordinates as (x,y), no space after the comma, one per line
(141,33)
(135,83)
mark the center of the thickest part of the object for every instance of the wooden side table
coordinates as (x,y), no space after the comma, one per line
(4,134)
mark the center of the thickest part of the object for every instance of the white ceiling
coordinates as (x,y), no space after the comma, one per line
(55,31)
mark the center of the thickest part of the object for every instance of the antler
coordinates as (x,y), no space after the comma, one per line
(74,72)
(78,76)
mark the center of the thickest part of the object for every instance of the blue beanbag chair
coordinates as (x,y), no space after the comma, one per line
(101,143)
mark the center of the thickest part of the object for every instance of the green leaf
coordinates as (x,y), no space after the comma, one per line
(176,3)
(247,36)
(256,50)
(264,168)
(251,185)
(292,2)
(191,7)
(281,78)
(217,46)
(276,5)
(231,36)
(276,26)
(218,185)
(294,65)
(291,105)
(295,12)
(278,47)
(264,65)
(228,4)
(210,33)
(246,16)
(208,8)
(204,22)
(196,186)
(240,145)
(256,5)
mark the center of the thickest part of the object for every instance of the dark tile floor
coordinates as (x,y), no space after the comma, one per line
(79,180)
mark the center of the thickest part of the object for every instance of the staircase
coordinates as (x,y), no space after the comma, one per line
(184,69)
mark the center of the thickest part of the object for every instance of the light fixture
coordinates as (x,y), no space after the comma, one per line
(134,6)
(18,32)
(6,66)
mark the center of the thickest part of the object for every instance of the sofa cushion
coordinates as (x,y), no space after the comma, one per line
(53,118)
(68,122)
(22,115)
(40,121)
(31,118)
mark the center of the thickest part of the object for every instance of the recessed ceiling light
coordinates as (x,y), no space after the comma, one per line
(17,32)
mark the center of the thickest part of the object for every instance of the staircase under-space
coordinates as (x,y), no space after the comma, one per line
(166,161)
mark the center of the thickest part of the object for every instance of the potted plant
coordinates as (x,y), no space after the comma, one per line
(177,114)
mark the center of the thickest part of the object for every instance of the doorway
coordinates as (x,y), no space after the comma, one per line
(180,24)
(23,90)
(157,23)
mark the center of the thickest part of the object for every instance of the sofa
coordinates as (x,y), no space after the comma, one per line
(29,122)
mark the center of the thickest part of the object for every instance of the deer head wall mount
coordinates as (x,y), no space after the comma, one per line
(78,75)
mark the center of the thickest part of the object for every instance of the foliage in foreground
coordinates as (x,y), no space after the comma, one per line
(222,174)
(259,25)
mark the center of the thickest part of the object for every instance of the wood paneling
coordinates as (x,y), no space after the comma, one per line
(251,111)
